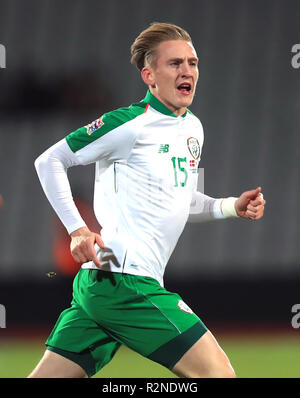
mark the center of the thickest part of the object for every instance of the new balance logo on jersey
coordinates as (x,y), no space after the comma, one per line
(164,148)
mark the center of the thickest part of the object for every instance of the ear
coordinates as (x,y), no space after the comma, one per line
(148,76)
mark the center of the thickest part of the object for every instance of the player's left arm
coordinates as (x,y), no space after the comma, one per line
(249,205)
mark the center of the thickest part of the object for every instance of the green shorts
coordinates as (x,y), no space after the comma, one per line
(110,309)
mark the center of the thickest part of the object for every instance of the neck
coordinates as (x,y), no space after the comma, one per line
(176,111)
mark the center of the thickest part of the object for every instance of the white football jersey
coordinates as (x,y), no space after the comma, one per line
(146,174)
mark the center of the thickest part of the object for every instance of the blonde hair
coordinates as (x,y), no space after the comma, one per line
(143,49)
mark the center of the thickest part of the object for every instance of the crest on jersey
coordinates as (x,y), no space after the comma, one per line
(95,125)
(184,307)
(194,147)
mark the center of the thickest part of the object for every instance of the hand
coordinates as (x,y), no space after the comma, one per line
(250,204)
(82,246)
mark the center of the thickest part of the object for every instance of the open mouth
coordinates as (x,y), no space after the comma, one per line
(185,88)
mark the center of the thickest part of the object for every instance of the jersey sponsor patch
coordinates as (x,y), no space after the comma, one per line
(95,125)
(184,307)
(194,147)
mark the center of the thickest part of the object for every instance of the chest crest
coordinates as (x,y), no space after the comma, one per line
(194,147)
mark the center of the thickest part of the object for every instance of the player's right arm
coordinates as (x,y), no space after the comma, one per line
(86,145)
(52,168)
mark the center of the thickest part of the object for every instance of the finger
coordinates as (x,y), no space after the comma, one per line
(250,214)
(99,241)
(252,194)
(255,215)
(82,253)
(96,261)
(92,255)
(253,209)
(259,215)
(256,202)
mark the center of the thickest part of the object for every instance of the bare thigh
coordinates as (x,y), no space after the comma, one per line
(204,359)
(53,365)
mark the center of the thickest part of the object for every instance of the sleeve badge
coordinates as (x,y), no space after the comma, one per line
(95,125)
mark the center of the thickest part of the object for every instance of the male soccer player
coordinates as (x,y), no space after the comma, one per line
(146,159)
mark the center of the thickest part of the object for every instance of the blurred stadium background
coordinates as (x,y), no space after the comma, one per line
(67,62)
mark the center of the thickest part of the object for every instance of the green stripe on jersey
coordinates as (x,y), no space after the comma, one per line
(109,121)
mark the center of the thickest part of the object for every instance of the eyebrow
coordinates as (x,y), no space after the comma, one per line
(177,59)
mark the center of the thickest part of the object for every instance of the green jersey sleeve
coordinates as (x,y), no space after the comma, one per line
(110,137)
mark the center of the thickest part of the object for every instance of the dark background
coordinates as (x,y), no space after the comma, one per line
(67,62)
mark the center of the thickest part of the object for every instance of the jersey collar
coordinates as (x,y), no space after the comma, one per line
(159,106)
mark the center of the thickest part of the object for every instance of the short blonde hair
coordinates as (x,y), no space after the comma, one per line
(143,49)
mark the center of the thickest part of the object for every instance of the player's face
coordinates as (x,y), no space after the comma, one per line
(175,75)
